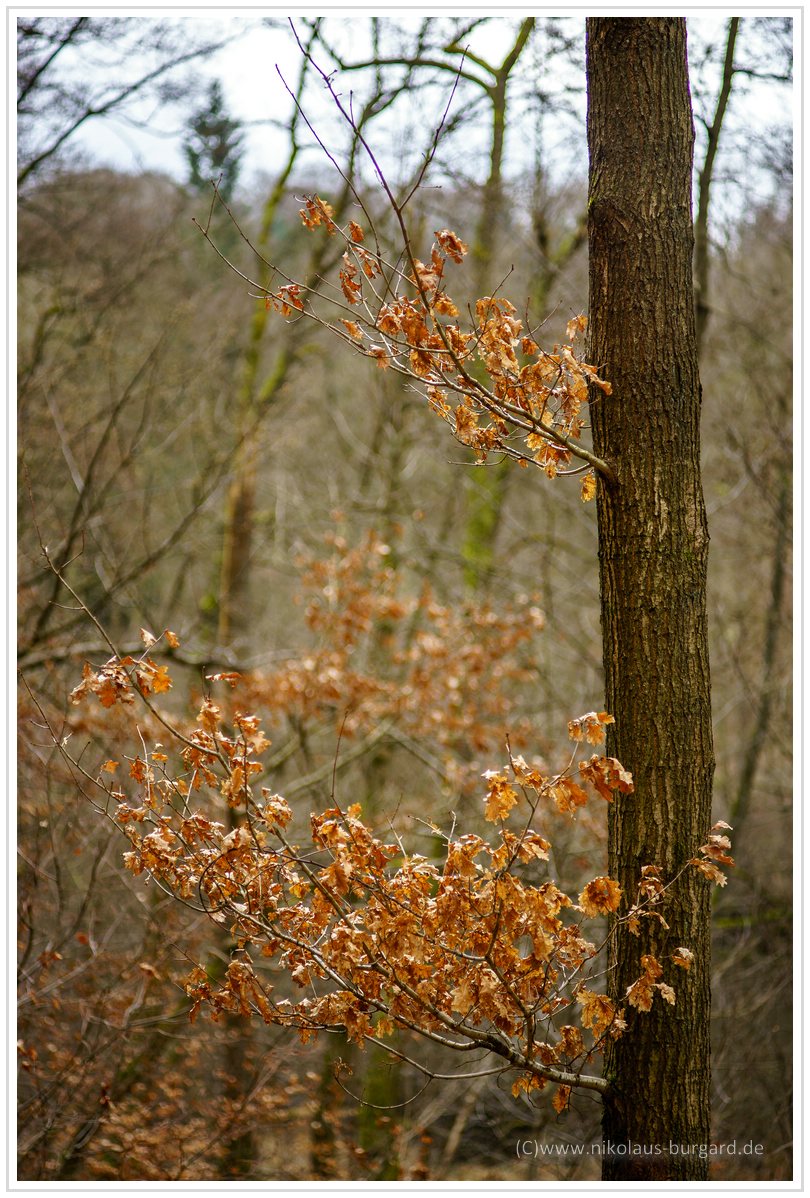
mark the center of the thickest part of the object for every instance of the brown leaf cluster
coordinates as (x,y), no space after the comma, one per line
(714,853)
(472,948)
(446,675)
(475,946)
(116,681)
(411,324)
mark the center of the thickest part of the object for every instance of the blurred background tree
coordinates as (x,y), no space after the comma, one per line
(214,145)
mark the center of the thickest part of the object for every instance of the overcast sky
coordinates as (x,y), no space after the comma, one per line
(248,69)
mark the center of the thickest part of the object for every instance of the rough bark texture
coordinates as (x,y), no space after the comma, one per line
(653,545)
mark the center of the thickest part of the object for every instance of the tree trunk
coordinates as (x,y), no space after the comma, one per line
(653,545)
(487,487)
(705,178)
(774,623)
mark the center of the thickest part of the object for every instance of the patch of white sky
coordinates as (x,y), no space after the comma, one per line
(261,60)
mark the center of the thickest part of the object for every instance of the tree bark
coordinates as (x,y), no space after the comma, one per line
(653,545)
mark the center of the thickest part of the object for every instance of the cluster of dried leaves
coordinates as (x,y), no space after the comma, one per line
(531,405)
(442,675)
(475,947)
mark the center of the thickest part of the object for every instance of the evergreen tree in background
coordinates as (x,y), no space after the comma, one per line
(213,147)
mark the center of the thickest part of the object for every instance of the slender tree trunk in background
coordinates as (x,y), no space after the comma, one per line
(326,1119)
(487,486)
(240,1153)
(702,260)
(253,399)
(758,738)
(653,546)
(238,540)
(376,1121)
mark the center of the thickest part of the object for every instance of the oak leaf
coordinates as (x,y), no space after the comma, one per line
(452,245)
(576,326)
(568,795)
(588,489)
(209,716)
(500,798)
(600,897)
(590,726)
(606,774)
(354,329)
(229,676)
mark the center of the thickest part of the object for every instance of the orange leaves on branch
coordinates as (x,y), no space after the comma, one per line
(318,212)
(714,853)
(466,424)
(427,278)
(276,811)
(599,1013)
(590,727)
(568,795)
(526,775)
(117,679)
(452,245)
(524,391)
(588,489)
(530,846)
(152,679)
(230,676)
(286,300)
(353,329)
(641,993)
(149,639)
(501,798)
(444,306)
(651,890)
(478,945)
(209,716)
(198,989)
(250,728)
(606,775)
(600,897)
(289,299)
(526,1083)
(475,945)
(111,684)
(138,770)
(350,285)
(576,326)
